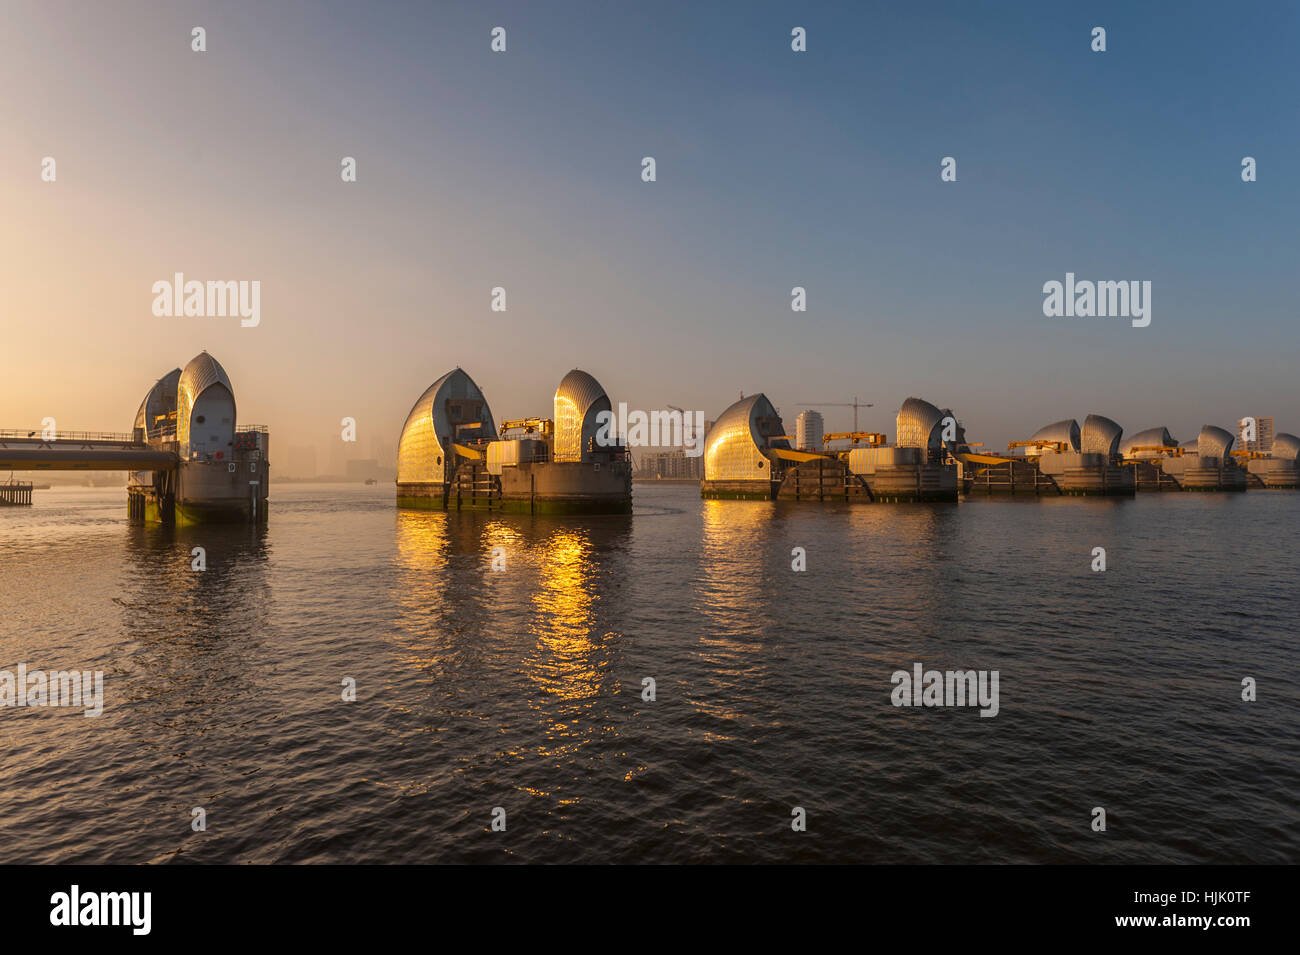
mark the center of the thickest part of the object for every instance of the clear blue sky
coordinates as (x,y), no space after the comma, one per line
(775,169)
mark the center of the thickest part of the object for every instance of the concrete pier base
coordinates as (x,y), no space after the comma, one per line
(1272,473)
(1195,473)
(548,487)
(764,490)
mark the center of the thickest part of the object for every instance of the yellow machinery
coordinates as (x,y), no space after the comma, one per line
(1044,445)
(528,425)
(785,454)
(1166,450)
(990,459)
(873,439)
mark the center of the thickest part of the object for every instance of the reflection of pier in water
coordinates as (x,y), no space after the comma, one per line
(193,676)
(552,611)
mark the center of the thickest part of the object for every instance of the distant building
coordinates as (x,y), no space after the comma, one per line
(1263,436)
(301,461)
(808,431)
(674,464)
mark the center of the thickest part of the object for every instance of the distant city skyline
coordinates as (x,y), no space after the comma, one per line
(774,170)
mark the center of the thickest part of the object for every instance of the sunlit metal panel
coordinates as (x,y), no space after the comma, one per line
(1150,438)
(159,402)
(1066,432)
(204,379)
(452,408)
(1214,442)
(1286,447)
(579,400)
(1100,435)
(919,424)
(736,444)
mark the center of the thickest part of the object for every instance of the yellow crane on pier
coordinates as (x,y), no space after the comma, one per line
(873,439)
(1044,445)
(528,425)
(1167,450)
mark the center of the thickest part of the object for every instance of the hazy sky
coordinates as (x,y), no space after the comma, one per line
(775,169)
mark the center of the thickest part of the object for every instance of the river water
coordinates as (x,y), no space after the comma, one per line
(522,687)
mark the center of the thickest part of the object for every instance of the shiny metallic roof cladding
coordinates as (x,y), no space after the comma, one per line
(1150,438)
(427,435)
(203,372)
(919,424)
(580,388)
(735,447)
(1214,442)
(1286,447)
(1066,431)
(199,375)
(579,398)
(159,400)
(1100,435)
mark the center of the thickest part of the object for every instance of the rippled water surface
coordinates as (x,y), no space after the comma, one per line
(522,688)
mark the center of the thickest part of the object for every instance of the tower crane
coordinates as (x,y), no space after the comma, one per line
(854,404)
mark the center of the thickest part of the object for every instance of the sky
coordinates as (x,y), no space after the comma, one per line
(775,169)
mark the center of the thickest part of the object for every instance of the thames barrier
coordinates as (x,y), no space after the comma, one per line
(748,455)
(188,461)
(451,454)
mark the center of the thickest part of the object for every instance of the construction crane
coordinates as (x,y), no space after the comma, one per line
(1159,448)
(528,425)
(874,439)
(854,404)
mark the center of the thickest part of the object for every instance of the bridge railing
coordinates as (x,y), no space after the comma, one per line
(38,434)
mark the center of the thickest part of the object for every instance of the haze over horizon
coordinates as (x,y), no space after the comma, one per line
(774,169)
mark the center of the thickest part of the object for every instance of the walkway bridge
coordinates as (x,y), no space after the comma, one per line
(84,451)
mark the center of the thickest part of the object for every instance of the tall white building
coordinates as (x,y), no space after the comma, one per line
(808,431)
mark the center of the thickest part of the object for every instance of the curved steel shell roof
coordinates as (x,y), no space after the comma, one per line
(1067,432)
(159,400)
(579,398)
(203,372)
(1214,442)
(735,448)
(1286,447)
(450,406)
(1150,438)
(919,424)
(959,432)
(1101,435)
